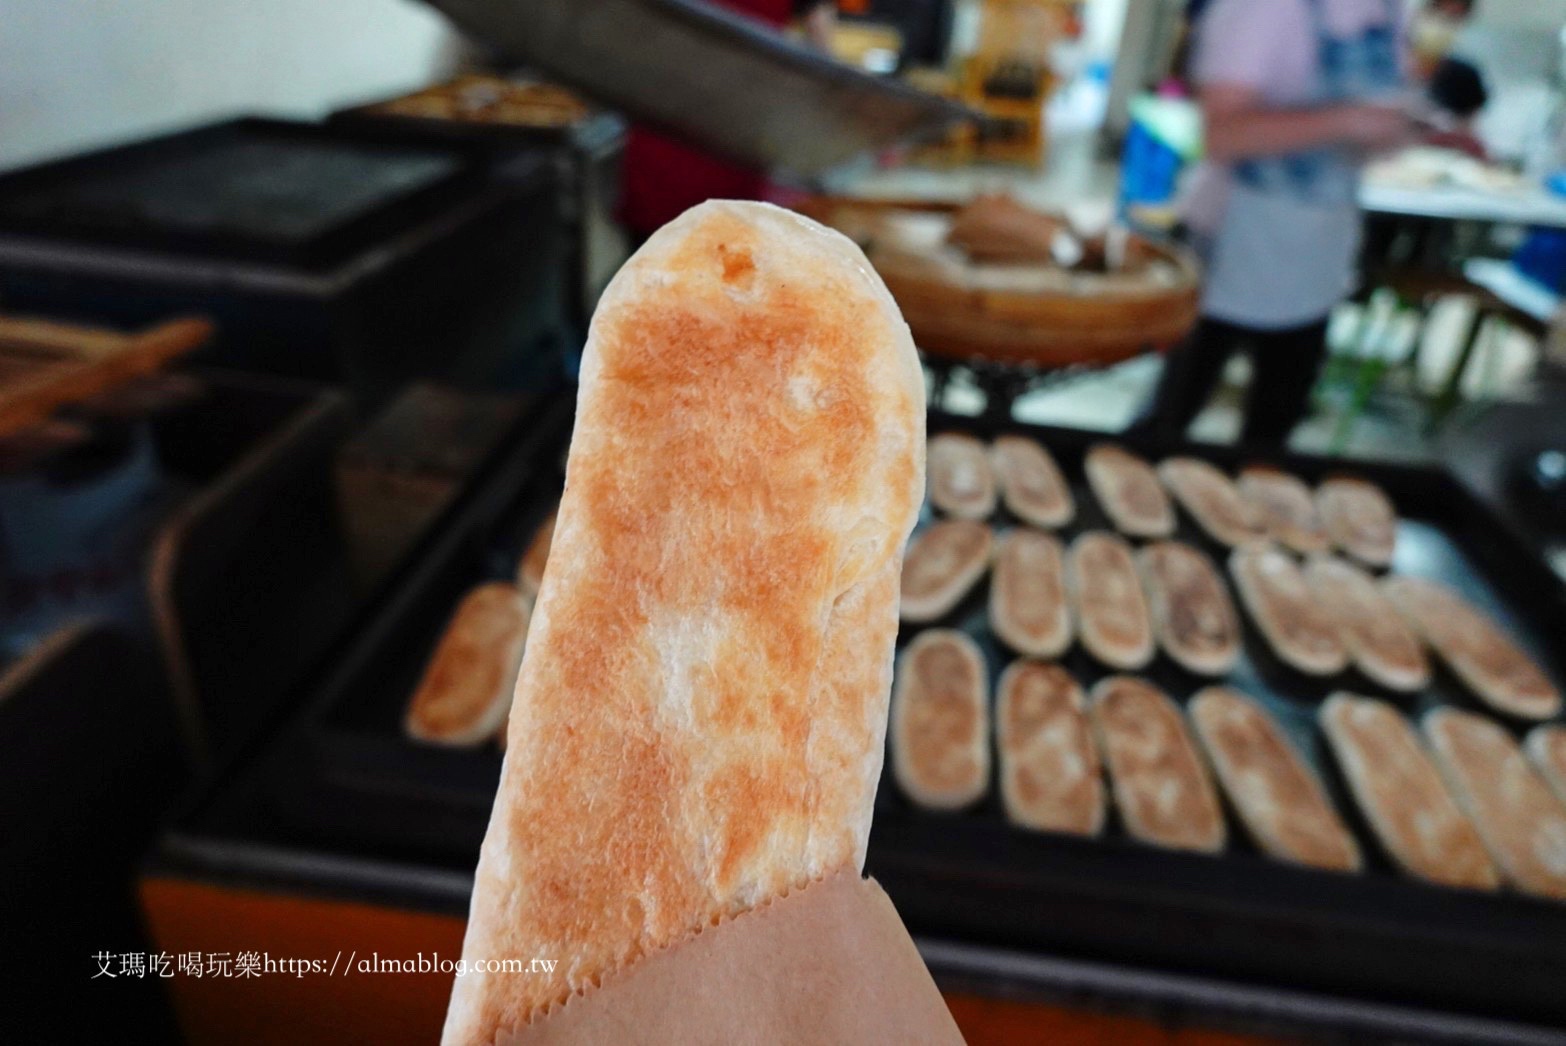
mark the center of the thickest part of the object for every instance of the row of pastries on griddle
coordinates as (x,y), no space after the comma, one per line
(1456,801)
(1320,611)
(969,479)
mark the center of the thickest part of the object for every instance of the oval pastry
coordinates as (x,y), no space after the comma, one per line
(1211,499)
(1111,610)
(944,561)
(697,726)
(466,690)
(1279,799)
(1160,786)
(1028,609)
(1193,617)
(530,570)
(1031,484)
(1378,640)
(1298,628)
(1129,491)
(1049,772)
(1496,669)
(961,481)
(1401,794)
(1285,507)
(1359,519)
(940,721)
(1521,822)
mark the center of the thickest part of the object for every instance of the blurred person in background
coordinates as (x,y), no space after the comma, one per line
(1432,34)
(1295,96)
(1457,90)
(663,178)
(1453,86)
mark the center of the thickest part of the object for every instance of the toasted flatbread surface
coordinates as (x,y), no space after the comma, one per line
(699,717)
(1050,779)
(1546,746)
(1296,625)
(1401,794)
(1160,786)
(1359,518)
(1029,611)
(1489,663)
(1031,483)
(465,692)
(945,560)
(1379,641)
(941,721)
(1522,823)
(1128,490)
(1211,499)
(962,480)
(1286,508)
(1193,618)
(1279,798)
(1111,609)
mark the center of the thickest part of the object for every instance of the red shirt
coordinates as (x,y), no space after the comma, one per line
(663,178)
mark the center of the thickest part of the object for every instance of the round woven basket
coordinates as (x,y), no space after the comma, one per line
(1022,315)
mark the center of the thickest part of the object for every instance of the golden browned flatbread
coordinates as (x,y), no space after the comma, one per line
(1522,823)
(962,482)
(1193,618)
(1359,519)
(1211,499)
(699,718)
(1495,668)
(530,571)
(1378,640)
(1049,773)
(945,560)
(1111,610)
(466,690)
(1546,746)
(1401,794)
(1028,608)
(1279,798)
(1129,491)
(1031,484)
(1286,508)
(1298,628)
(1160,786)
(941,721)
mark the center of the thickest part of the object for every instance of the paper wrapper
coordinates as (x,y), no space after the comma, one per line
(830,963)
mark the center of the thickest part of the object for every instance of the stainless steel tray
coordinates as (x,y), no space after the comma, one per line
(712,77)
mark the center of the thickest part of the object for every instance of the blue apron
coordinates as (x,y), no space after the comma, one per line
(1285,250)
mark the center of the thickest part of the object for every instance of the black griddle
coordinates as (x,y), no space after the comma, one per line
(251,189)
(344,801)
(971,876)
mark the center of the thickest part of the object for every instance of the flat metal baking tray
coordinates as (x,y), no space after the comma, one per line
(1376,952)
(366,780)
(251,189)
(592,132)
(710,76)
(973,877)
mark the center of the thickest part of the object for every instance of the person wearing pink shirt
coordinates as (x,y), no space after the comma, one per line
(1296,95)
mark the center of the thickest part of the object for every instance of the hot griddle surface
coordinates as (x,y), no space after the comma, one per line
(973,876)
